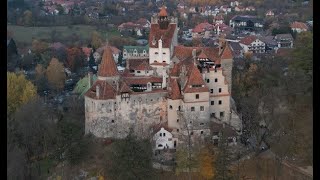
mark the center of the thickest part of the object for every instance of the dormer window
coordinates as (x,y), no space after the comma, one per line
(156,53)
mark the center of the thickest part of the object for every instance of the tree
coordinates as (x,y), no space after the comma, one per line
(41,79)
(19,91)
(56,75)
(92,63)
(27,62)
(130,158)
(75,59)
(27,18)
(206,163)
(96,39)
(39,47)
(222,162)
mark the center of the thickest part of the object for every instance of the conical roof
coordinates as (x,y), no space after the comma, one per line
(163,12)
(108,66)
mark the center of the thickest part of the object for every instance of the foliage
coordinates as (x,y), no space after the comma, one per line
(130,159)
(75,59)
(96,39)
(222,162)
(206,163)
(41,80)
(56,75)
(27,18)
(19,91)
(185,161)
(39,47)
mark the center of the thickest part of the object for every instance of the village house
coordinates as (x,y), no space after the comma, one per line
(284,40)
(250,8)
(251,23)
(218,19)
(298,27)
(134,52)
(234,3)
(269,13)
(237,50)
(270,42)
(202,30)
(239,9)
(252,44)
(176,89)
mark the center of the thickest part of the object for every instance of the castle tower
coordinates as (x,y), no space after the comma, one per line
(163,20)
(107,69)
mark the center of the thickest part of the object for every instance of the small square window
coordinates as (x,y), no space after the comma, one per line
(216,80)
(197,96)
(177,130)
(220,90)
(208,80)
(213,114)
(177,120)
(170,107)
(201,132)
(211,91)
(201,108)
(221,114)
(212,103)
(192,108)
(191,133)
(112,121)
(220,102)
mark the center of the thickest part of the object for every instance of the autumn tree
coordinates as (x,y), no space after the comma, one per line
(96,39)
(27,18)
(223,160)
(39,46)
(75,58)
(206,163)
(41,79)
(19,91)
(56,75)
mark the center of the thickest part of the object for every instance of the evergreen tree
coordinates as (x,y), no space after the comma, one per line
(92,63)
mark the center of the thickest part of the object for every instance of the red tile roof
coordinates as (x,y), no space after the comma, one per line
(175,92)
(107,67)
(106,91)
(166,34)
(299,25)
(202,27)
(142,80)
(227,53)
(163,11)
(248,40)
(202,55)
(124,87)
(195,78)
(134,63)
(143,67)
(86,51)
(182,52)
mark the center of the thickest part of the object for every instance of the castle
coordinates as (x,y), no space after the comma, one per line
(176,87)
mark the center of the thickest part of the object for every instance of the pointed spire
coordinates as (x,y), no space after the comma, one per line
(108,66)
(163,12)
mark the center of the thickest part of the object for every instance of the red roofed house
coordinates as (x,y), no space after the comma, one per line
(252,44)
(202,30)
(299,27)
(162,39)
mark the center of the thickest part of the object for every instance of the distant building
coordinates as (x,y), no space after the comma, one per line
(252,44)
(247,23)
(270,13)
(202,30)
(298,27)
(133,52)
(284,40)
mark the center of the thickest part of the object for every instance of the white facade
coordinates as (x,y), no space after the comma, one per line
(256,46)
(163,140)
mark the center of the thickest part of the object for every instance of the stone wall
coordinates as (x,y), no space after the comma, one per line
(115,118)
(227,65)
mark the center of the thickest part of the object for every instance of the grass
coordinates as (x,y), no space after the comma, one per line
(24,34)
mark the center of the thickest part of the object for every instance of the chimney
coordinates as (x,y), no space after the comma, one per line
(90,79)
(164,78)
(97,91)
(160,49)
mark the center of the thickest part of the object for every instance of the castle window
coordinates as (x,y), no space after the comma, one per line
(177,120)
(201,132)
(190,122)
(213,114)
(208,80)
(220,90)
(156,53)
(112,121)
(177,130)
(201,124)
(192,108)
(160,134)
(212,103)
(211,91)
(216,80)
(197,96)
(191,133)
(201,108)
(164,61)
(164,134)
(220,102)
(164,53)
(222,114)
(170,107)
(138,71)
